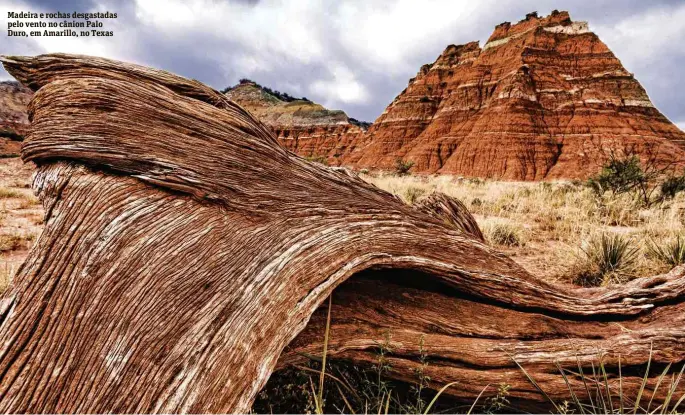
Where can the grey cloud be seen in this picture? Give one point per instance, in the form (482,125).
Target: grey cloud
(203,55)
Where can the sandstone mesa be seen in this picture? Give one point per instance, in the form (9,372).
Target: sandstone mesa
(544,98)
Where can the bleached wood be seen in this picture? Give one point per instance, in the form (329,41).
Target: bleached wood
(184,249)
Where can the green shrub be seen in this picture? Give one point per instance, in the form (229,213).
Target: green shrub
(402,167)
(671,253)
(314,158)
(630,175)
(672,186)
(619,176)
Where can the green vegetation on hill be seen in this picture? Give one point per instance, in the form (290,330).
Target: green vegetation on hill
(314,109)
(283,96)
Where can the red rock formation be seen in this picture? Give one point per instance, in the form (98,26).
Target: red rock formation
(302,126)
(13,117)
(544,98)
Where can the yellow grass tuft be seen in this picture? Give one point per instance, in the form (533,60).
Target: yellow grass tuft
(553,221)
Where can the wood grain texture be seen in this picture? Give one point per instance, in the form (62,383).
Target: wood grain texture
(184,250)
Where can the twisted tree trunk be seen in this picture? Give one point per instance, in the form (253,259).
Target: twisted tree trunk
(184,250)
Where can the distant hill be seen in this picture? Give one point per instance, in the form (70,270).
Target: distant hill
(14,119)
(543,98)
(301,125)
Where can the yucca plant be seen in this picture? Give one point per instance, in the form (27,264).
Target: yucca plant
(671,253)
(610,259)
(600,397)
(614,253)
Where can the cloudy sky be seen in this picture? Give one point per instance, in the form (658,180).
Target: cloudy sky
(353,55)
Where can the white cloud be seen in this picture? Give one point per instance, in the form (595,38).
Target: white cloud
(269,30)
(641,39)
(344,87)
(353,54)
(389,36)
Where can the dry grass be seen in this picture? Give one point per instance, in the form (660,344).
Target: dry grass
(9,193)
(10,242)
(21,217)
(547,227)
(6,273)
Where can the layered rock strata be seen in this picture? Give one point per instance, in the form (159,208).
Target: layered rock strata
(14,119)
(543,98)
(301,126)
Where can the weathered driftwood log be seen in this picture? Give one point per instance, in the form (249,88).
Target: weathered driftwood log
(184,250)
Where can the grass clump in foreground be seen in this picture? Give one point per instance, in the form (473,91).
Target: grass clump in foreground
(10,242)
(6,193)
(602,394)
(553,221)
(321,386)
(609,259)
(504,234)
(670,252)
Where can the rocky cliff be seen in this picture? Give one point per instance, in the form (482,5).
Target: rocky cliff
(13,117)
(543,98)
(301,125)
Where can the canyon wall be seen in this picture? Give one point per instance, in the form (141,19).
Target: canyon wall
(543,98)
(14,119)
(301,126)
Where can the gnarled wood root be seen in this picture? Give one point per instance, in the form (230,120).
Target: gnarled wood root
(184,250)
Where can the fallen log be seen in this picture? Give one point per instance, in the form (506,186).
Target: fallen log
(185,252)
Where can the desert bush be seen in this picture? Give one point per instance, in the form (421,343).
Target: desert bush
(608,259)
(504,234)
(627,174)
(6,193)
(412,194)
(619,175)
(10,242)
(671,253)
(672,186)
(314,158)
(402,167)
